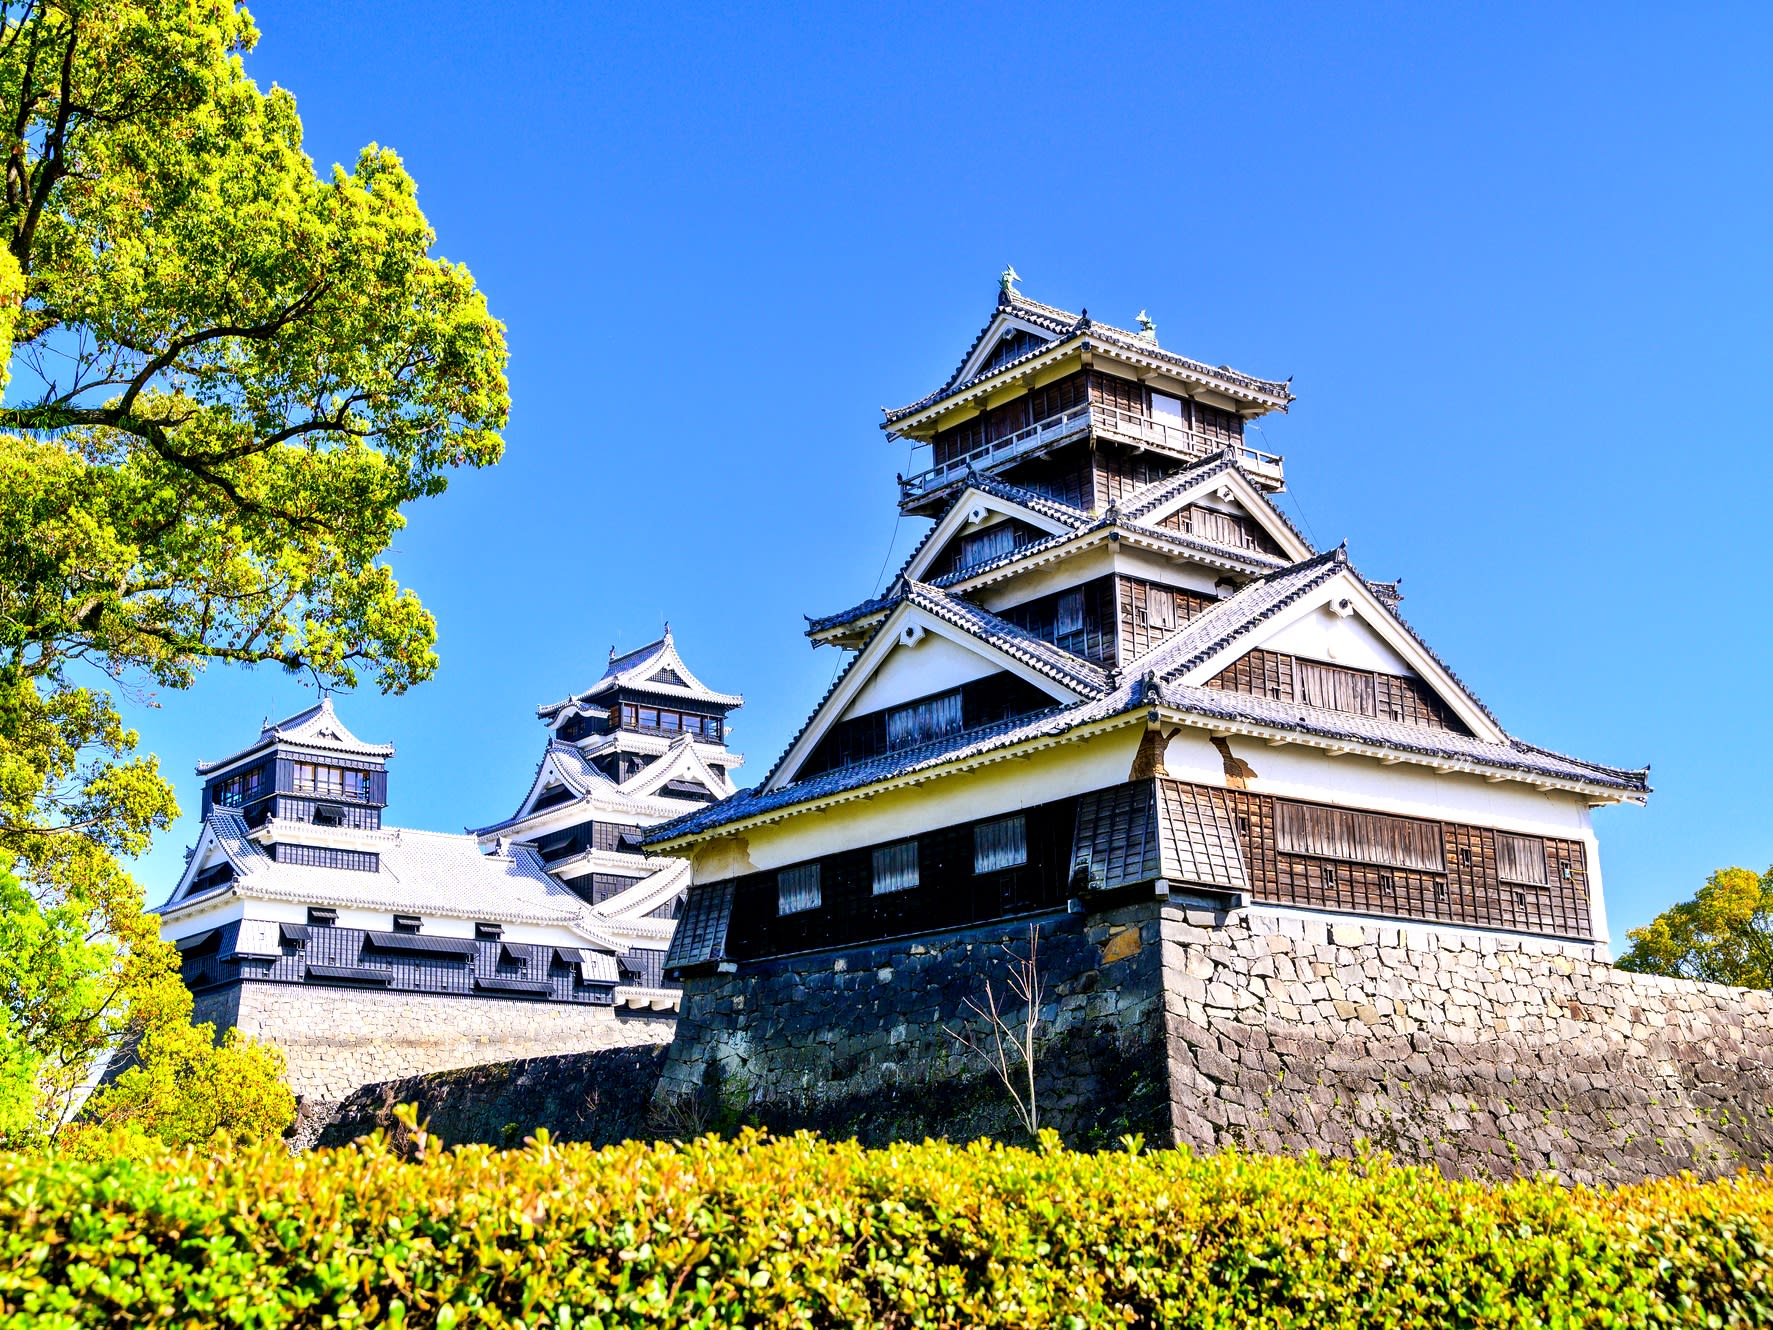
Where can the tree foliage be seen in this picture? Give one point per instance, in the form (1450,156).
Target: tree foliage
(1724,935)
(228,376)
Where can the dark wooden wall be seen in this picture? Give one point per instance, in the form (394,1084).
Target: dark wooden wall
(1233,529)
(1149,613)
(1361,692)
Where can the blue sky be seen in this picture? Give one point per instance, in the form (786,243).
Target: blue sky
(1517,259)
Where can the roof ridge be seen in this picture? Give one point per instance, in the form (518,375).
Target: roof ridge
(1049,656)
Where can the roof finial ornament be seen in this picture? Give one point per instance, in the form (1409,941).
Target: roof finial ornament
(1006,285)
(612,653)
(1147,329)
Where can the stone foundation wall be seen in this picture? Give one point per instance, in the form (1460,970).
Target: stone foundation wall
(337,1039)
(851,1042)
(1487,1056)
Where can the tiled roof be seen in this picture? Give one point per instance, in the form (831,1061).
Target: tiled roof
(582,777)
(1152,680)
(636,670)
(1067,327)
(420,872)
(1253,561)
(1129,834)
(1074,672)
(1149,498)
(317,727)
(701,934)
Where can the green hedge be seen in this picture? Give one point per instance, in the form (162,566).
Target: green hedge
(806,1232)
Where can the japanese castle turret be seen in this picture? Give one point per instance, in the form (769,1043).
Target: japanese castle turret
(1113,671)
(367,952)
(644,744)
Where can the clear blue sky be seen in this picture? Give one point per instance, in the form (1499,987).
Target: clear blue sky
(1517,261)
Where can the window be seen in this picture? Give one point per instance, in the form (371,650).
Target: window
(1160,609)
(407,923)
(797,889)
(242,789)
(649,718)
(1336,833)
(895,867)
(992,543)
(334,782)
(630,715)
(670,720)
(328,815)
(489,932)
(320,916)
(1334,688)
(1000,844)
(922,721)
(1070,616)
(1520,859)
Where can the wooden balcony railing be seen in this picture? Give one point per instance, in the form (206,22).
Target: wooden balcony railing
(1107,422)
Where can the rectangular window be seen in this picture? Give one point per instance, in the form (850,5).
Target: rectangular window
(919,722)
(1160,609)
(895,867)
(320,916)
(992,543)
(489,932)
(1334,688)
(407,923)
(1000,844)
(649,718)
(797,889)
(630,715)
(669,720)
(1070,617)
(1521,859)
(1369,838)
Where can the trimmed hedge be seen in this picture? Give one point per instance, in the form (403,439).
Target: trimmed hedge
(804,1232)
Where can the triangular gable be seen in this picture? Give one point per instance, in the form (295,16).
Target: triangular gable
(975,510)
(905,629)
(1005,325)
(681,761)
(1226,486)
(1348,625)
(646,895)
(221,840)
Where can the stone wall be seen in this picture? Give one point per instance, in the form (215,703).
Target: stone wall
(599,1098)
(337,1039)
(1486,1055)
(851,1042)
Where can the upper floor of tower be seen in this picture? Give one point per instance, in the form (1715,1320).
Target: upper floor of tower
(306,768)
(1076,409)
(645,692)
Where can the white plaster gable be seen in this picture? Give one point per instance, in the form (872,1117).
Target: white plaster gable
(974,511)
(1341,640)
(935,664)
(908,623)
(1371,633)
(682,761)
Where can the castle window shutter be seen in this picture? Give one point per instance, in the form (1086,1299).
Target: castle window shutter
(1521,859)
(1070,617)
(1372,838)
(1000,844)
(798,889)
(895,867)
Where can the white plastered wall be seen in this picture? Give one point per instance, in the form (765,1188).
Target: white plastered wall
(1348,641)
(933,665)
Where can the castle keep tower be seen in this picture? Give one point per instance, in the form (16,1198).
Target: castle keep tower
(1112,685)
(644,744)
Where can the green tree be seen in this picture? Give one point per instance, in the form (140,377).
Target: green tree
(1724,935)
(228,376)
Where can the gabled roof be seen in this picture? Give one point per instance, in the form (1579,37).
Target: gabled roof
(428,873)
(1066,330)
(654,668)
(993,637)
(568,765)
(1160,679)
(317,727)
(1156,500)
(683,759)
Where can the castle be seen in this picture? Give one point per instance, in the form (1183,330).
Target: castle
(1292,884)
(366,951)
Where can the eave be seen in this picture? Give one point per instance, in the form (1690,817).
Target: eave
(1277,736)
(1241,397)
(676,845)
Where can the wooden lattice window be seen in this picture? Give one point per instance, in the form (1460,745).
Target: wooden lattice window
(1000,844)
(1369,838)
(1521,859)
(797,889)
(895,867)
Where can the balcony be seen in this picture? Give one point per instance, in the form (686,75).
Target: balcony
(1105,422)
